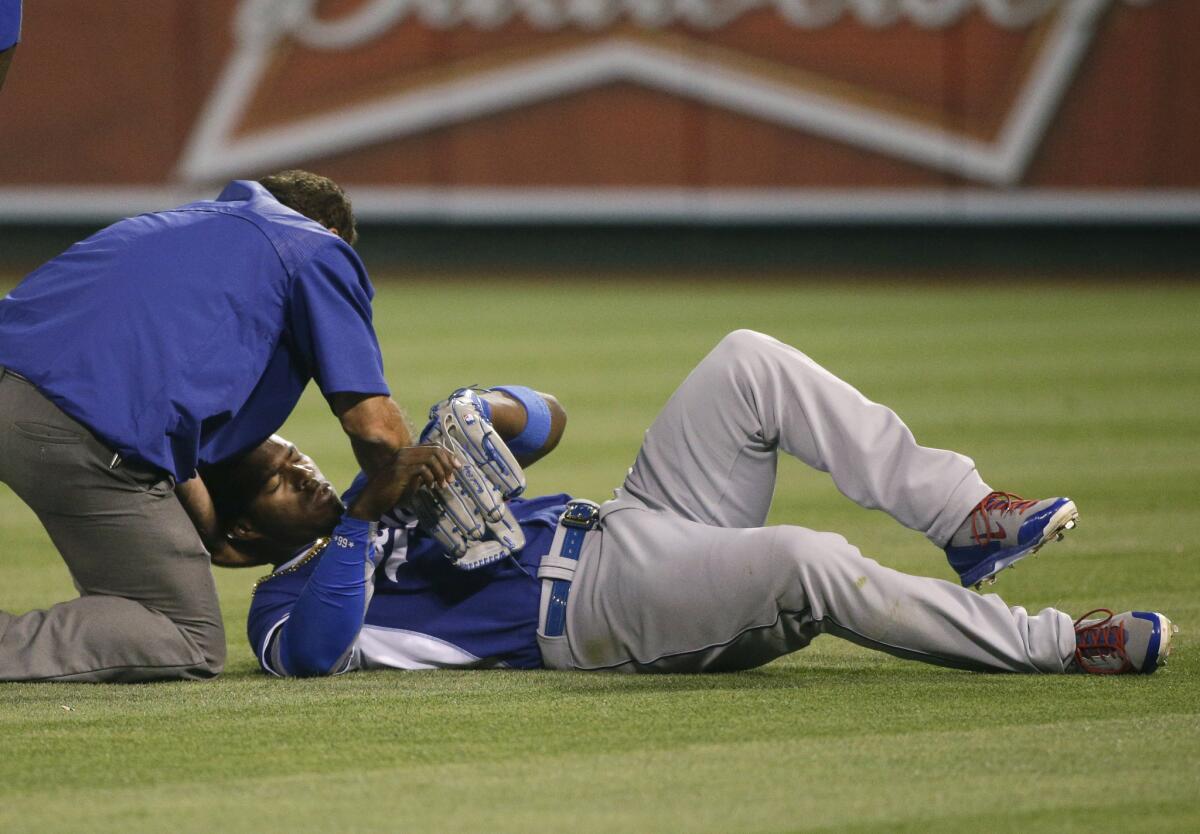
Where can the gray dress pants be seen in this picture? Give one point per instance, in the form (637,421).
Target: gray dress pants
(681,576)
(148,606)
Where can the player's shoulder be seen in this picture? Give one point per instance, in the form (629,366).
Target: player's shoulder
(289,577)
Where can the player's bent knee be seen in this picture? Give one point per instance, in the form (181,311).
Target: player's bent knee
(741,341)
(731,355)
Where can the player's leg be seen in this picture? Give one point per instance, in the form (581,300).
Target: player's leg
(710,455)
(149,608)
(661,594)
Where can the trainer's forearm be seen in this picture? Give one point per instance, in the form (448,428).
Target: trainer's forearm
(376,427)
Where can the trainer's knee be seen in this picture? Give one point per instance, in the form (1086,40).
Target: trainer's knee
(208,639)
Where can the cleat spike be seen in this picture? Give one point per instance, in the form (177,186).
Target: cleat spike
(1059,537)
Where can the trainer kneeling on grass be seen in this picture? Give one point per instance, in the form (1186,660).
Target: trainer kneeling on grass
(164,342)
(678,573)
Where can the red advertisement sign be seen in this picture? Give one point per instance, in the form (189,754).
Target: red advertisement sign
(721,110)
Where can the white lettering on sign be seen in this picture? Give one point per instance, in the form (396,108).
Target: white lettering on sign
(260,20)
(217,149)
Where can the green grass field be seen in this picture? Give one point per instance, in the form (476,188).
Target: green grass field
(1087,390)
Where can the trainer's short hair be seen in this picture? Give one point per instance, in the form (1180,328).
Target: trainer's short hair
(317,198)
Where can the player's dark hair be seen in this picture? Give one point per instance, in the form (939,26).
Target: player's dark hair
(317,198)
(231,496)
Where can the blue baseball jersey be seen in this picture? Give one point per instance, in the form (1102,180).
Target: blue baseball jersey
(186,336)
(10,23)
(424,613)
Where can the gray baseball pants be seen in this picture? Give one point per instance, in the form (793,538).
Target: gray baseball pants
(681,576)
(148,606)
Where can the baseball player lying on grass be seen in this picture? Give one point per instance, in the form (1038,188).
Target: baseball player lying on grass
(678,573)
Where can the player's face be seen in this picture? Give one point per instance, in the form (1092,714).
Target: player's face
(294,503)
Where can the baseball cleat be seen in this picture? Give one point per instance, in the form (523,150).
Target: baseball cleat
(1130,643)
(1003,529)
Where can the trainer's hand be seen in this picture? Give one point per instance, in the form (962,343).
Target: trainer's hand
(409,468)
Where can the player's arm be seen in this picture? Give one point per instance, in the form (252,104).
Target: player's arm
(530,422)
(318,637)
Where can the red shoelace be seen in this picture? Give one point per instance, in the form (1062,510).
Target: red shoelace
(1100,638)
(1003,502)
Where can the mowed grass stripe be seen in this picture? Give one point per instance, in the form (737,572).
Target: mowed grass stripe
(812,783)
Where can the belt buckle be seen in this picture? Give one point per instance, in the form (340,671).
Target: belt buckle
(581,515)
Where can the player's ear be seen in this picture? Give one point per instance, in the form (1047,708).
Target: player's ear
(334,230)
(243,531)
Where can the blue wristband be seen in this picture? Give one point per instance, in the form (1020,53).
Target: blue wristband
(537,420)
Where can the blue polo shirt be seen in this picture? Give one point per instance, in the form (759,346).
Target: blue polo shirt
(186,336)
(10,23)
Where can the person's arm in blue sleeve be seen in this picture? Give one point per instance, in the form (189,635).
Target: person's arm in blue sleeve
(318,636)
(331,322)
(330,326)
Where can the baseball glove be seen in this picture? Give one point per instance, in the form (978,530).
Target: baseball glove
(469,516)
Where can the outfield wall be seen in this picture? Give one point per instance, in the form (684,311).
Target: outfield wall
(962,254)
(616,112)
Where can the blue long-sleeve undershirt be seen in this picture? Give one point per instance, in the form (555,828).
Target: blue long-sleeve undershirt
(328,615)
